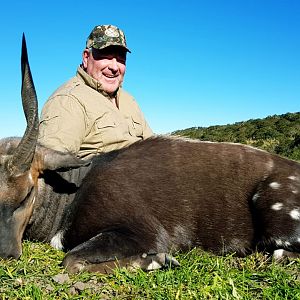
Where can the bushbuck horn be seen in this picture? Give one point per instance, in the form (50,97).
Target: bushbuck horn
(23,154)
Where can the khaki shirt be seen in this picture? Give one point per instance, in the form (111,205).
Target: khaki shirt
(78,118)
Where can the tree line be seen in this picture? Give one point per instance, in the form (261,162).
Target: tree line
(278,134)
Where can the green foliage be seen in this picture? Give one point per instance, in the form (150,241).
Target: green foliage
(278,134)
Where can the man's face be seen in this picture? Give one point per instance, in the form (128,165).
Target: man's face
(107,66)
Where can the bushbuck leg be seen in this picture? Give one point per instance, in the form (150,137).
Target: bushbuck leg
(109,250)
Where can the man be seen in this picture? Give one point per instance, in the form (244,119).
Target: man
(91,113)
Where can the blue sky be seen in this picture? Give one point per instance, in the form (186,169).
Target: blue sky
(193,63)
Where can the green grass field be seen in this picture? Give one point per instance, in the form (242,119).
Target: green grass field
(38,275)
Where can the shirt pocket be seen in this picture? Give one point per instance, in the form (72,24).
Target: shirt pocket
(107,130)
(135,127)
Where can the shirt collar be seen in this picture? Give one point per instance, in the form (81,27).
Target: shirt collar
(93,83)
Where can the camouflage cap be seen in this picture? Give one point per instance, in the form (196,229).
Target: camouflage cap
(103,36)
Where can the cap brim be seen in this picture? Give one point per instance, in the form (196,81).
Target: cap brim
(109,44)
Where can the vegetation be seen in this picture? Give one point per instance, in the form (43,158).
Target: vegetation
(276,134)
(39,275)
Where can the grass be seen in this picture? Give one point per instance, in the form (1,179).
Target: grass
(38,275)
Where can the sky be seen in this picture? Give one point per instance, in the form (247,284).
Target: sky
(193,63)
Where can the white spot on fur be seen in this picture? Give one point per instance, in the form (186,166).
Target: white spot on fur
(292,177)
(278,254)
(298,240)
(295,192)
(154,265)
(281,243)
(277,206)
(295,214)
(56,241)
(255,197)
(30,178)
(275,185)
(270,165)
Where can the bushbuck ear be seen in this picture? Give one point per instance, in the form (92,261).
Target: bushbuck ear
(59,161)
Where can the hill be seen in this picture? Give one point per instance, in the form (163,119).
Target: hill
(278,134)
